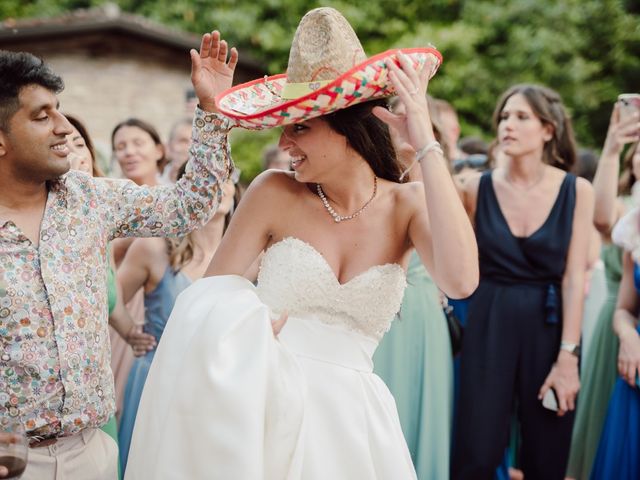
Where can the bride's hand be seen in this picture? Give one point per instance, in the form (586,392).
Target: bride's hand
(278,324)
(211,74)
(412,124)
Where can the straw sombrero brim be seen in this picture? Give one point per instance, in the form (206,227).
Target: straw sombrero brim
(258,104)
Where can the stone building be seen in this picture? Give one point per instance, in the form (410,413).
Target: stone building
(115,65)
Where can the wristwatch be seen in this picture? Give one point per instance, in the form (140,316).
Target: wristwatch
(572,348)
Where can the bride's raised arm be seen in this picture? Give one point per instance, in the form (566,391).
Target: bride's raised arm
(442,233)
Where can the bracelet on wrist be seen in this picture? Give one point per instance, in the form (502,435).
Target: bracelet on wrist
(420,154)
(570,347)
(429,147)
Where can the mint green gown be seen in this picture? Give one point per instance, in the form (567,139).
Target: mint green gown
(111,427)
(598,375)
(414,360)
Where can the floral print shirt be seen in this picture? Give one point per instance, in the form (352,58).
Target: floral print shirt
(55,372)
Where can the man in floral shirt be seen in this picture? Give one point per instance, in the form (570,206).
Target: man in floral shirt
(55,224)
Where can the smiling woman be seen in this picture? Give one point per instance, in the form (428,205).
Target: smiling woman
(82,154)
(335,237)
(137,146)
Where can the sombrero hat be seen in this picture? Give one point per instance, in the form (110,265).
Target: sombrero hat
(328,70)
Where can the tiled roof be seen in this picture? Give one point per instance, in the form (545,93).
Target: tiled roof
(107,17)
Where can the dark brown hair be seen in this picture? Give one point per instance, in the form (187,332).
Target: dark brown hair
(82,130)
(369,136)
(147,127)
(18,70)
(547,105)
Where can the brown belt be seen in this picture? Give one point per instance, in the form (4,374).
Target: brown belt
(36,442)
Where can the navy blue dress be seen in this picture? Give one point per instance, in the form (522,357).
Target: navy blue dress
(619,449)
(511,341)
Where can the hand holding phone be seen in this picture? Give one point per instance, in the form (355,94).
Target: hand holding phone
(550,400)
(629,103)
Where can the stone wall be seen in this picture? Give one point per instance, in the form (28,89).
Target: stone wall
(109,78)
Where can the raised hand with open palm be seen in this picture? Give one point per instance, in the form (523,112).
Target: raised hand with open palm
(211,71)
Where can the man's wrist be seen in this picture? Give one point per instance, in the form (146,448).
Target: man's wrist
(207,123)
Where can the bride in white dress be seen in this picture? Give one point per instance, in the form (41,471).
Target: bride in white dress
(225,397)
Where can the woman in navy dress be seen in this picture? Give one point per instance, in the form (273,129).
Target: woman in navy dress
(618,452)
(532,223)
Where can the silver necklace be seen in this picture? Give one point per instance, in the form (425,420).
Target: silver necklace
(341,218)
(528,187)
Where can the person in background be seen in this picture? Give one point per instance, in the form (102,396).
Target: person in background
(177,149)
(414,358)
(595,285)
(55,226)
(190,102)
(450,127)
(163,268)
(613,187)
(137,147)
(523,327)
(475,159)
(473,145)
(139,151)
(82,158)
(617,453)
(273,157)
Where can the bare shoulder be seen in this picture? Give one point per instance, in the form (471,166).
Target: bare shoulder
(407,195)
(583,186)
(274,184)
(147,248)
(584,189)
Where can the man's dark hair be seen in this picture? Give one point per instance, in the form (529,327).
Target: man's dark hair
(18,70)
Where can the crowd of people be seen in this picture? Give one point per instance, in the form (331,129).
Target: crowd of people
(386,300)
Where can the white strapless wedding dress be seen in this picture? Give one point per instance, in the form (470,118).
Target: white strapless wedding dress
(226,400)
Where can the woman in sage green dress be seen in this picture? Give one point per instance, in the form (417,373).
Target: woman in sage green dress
(599,369)
(414,358)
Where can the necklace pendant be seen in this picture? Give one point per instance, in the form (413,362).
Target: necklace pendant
(337,219)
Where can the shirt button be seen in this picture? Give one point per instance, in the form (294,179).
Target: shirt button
(54,448)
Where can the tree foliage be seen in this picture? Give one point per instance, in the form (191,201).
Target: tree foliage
(588,50)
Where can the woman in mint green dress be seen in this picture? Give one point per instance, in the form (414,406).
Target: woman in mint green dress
(599,369)
(414,358)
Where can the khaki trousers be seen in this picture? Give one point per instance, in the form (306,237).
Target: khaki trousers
(88,455)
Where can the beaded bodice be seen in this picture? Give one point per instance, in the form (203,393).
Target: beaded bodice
(295,277)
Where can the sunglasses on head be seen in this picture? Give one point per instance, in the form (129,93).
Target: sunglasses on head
(476,161)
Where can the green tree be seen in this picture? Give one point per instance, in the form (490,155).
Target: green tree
(588,50)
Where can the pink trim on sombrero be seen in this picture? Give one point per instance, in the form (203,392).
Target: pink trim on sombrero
(285,105)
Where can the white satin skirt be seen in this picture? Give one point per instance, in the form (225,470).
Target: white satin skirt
(226,400)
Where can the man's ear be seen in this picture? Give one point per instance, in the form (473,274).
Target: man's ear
(3,143)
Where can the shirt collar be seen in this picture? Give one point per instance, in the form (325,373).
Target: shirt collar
(58,187)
